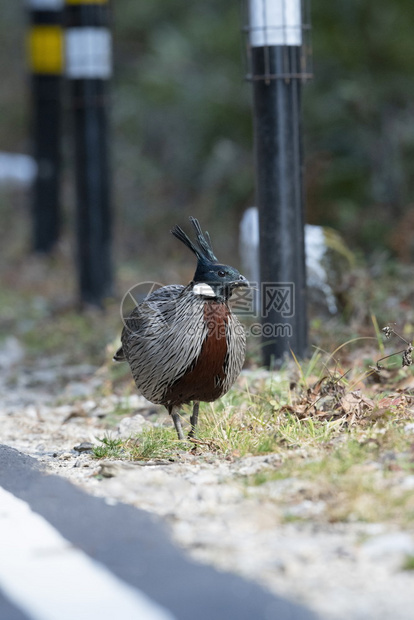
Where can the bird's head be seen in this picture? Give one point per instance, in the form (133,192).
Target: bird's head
(211,279)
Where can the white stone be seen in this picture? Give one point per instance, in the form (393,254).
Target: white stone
(315,248)
(132,426)
(11,352)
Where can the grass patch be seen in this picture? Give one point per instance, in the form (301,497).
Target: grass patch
(152,443)
(341,437)
(109,448)
(357,480)
(296,408)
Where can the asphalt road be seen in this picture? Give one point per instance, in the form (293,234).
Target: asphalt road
(65,554)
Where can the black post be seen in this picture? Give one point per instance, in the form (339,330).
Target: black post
(46,65)
(276,75)
(88,68)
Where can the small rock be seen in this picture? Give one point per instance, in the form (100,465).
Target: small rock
(110,501)
(11,352)
(63,410)
(66,456)
(407,483)
(250,465)
(108,470)
(85,446)
(371,529)
(305,509)
(31,412)
(135,401)
(88,405)
(77,389)
(132,426)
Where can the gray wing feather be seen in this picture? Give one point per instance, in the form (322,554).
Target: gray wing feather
(162,337)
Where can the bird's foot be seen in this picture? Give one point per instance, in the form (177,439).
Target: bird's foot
(177,423)
(194,418)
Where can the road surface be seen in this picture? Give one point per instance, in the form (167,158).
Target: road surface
(65,555)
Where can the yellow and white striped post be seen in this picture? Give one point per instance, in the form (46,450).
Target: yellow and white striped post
(88,69)
(46,63)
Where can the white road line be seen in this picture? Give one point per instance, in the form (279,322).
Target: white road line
(49,579)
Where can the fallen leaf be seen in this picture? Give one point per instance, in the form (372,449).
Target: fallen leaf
(355,403)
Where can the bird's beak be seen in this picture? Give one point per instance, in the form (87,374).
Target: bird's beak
(242,281)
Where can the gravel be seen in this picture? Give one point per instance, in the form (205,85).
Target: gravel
(341,570)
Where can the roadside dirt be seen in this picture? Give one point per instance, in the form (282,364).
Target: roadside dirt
(343,570)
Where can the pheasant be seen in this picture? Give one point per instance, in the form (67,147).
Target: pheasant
(183,343)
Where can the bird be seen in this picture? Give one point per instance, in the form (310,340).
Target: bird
(183,343)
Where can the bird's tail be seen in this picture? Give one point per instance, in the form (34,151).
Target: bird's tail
(119,356)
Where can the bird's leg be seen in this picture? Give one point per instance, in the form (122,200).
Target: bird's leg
(177,422)
(194,418)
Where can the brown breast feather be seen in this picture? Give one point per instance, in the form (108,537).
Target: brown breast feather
(204,379)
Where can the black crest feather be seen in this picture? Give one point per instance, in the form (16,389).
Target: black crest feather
(204,251)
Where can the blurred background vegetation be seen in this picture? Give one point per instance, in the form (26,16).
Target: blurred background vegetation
(182,129)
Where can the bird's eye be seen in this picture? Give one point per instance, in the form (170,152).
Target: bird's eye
(221,273)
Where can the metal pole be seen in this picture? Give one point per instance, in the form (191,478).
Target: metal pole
(46,66)
(88,68)
(275,39)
